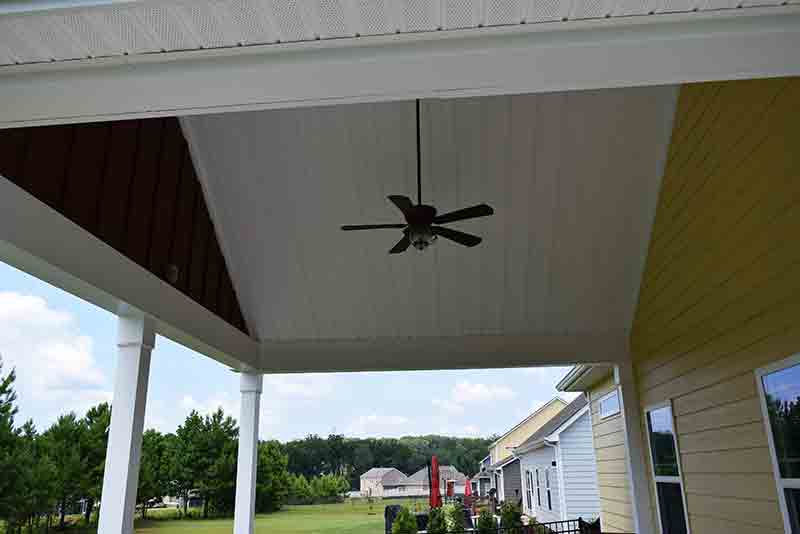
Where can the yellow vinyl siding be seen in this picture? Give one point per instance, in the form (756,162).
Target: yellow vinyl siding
(720,296)
(502,448)
(612,479)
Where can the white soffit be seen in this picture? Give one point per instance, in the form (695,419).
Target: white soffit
(33,32)
(573,178)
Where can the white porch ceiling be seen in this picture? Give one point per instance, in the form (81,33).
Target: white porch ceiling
(32,32)
(573,178)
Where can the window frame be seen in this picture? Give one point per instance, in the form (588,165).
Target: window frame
(547,488)
(780,482)
(538,491)
(666,479)
(529,489)
(612,393)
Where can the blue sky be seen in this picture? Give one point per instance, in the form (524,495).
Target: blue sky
(64,351)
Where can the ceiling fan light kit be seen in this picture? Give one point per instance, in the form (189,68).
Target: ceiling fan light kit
(423,225)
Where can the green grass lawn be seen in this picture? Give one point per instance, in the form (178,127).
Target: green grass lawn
(351,517)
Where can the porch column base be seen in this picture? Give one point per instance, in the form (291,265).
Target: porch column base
(136,339)
(245,507)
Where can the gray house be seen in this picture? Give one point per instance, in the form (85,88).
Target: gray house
(558,468)
(381,482)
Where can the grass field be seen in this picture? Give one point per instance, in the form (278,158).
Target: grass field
(351,517)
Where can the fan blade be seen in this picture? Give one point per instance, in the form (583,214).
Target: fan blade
(401,245)
(404,204)
(371,226)
(468,240)
(481,210)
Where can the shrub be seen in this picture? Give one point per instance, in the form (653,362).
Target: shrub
(453,516)
(436,522)
(511,518)
(405,522)
(486,523)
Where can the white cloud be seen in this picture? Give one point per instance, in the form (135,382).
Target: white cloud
(308,386)
(54,362)
(466,393)
(378,425)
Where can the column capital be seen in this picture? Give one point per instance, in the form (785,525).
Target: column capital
(250,382)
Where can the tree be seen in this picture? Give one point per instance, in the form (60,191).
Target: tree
(153,472)
(299,490)
(94,444)
(63,439)
(436,523)
(9,438)
(216,467)
(272,481)
(185,467)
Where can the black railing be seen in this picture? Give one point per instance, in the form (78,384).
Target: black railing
(570,526)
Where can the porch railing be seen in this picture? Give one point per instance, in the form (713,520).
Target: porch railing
(570,526)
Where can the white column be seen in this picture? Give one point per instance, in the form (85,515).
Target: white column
(136,338)
(634,449)
(244,513)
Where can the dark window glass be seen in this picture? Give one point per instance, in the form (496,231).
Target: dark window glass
(793,504)
(547,485)
(529,481)
(662,442)
(538,491)
(782,392)
(670,506)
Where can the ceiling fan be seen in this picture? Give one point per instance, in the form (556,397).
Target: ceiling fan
(422,225)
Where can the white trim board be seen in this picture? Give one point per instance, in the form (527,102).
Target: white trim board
(607,53)
(45,244)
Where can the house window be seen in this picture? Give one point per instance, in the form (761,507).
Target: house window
(609,405)
(780,404)
(547,487)
(666,470)
(529,489)
(538,491)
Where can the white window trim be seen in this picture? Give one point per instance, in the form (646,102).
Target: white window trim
(547,489)
(538,502)
(656,479)
(606,396)
(780,483)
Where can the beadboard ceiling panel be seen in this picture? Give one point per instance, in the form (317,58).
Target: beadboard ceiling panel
(573,178)
(107,29)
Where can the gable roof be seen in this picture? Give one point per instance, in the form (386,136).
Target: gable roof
(531,416)
(553,425)
(447,472)
(380,472)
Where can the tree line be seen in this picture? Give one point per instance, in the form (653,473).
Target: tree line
(46,475)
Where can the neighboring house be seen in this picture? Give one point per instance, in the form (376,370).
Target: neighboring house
(559,471)
(483,477)
(500,449)
(608,434)
(381,482)
(503,471)
(417,483)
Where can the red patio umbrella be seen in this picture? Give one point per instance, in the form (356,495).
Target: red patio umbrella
(435,496)
(468,489)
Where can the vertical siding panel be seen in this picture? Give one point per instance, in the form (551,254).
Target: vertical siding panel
(199,262)
(47,161)
(85,174)
(120,168)
(166,194)
(720,294)
(140,210)
(181,249)
(13,148)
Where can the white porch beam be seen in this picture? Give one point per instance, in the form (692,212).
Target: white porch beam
(42,242)
(457,352)
(592,54)
(247,465)
(136,339)
(635,449)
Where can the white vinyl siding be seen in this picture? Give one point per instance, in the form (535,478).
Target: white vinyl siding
(542,459)
(579,470)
